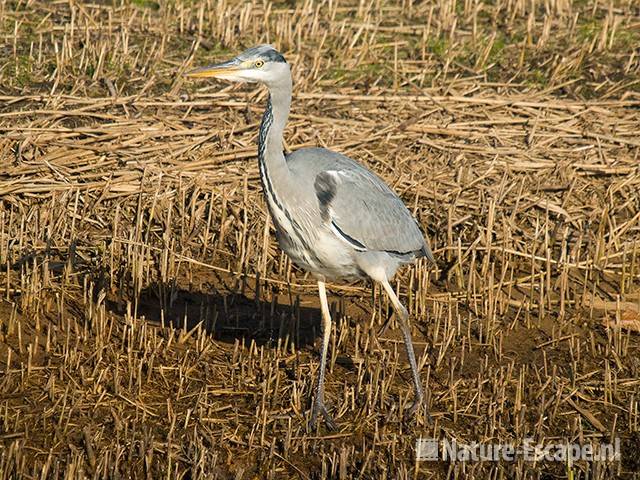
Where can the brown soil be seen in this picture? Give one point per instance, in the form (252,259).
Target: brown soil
(151,328)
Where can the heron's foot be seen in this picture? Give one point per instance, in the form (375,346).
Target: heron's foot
(410,412)
(319,407)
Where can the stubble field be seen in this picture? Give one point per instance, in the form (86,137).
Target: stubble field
(151,328)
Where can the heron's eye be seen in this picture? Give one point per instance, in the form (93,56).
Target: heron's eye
(258,64)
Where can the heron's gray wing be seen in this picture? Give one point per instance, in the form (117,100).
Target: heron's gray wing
(366,212)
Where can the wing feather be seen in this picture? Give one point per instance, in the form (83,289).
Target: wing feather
(365,211)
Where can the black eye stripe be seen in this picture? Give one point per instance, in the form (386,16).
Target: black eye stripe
(266,53)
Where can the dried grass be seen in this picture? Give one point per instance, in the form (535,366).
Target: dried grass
(151,328)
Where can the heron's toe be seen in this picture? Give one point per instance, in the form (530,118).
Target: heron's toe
(411,412)
(328,419)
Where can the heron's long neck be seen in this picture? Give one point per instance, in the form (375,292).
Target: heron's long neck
(273,166)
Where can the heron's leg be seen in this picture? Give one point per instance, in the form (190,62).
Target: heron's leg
(318,401)
(403,315)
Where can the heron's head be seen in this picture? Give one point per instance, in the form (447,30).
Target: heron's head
(257,64)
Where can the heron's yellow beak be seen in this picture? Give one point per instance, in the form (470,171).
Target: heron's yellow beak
(218,70)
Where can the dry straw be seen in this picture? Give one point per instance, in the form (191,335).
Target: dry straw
(151,328)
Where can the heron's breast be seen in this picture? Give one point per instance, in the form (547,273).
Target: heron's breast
(294,232)
(311,244)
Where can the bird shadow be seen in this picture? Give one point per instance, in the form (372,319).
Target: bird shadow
(228,308)
(226,316)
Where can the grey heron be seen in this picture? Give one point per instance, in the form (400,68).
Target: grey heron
(333,217)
